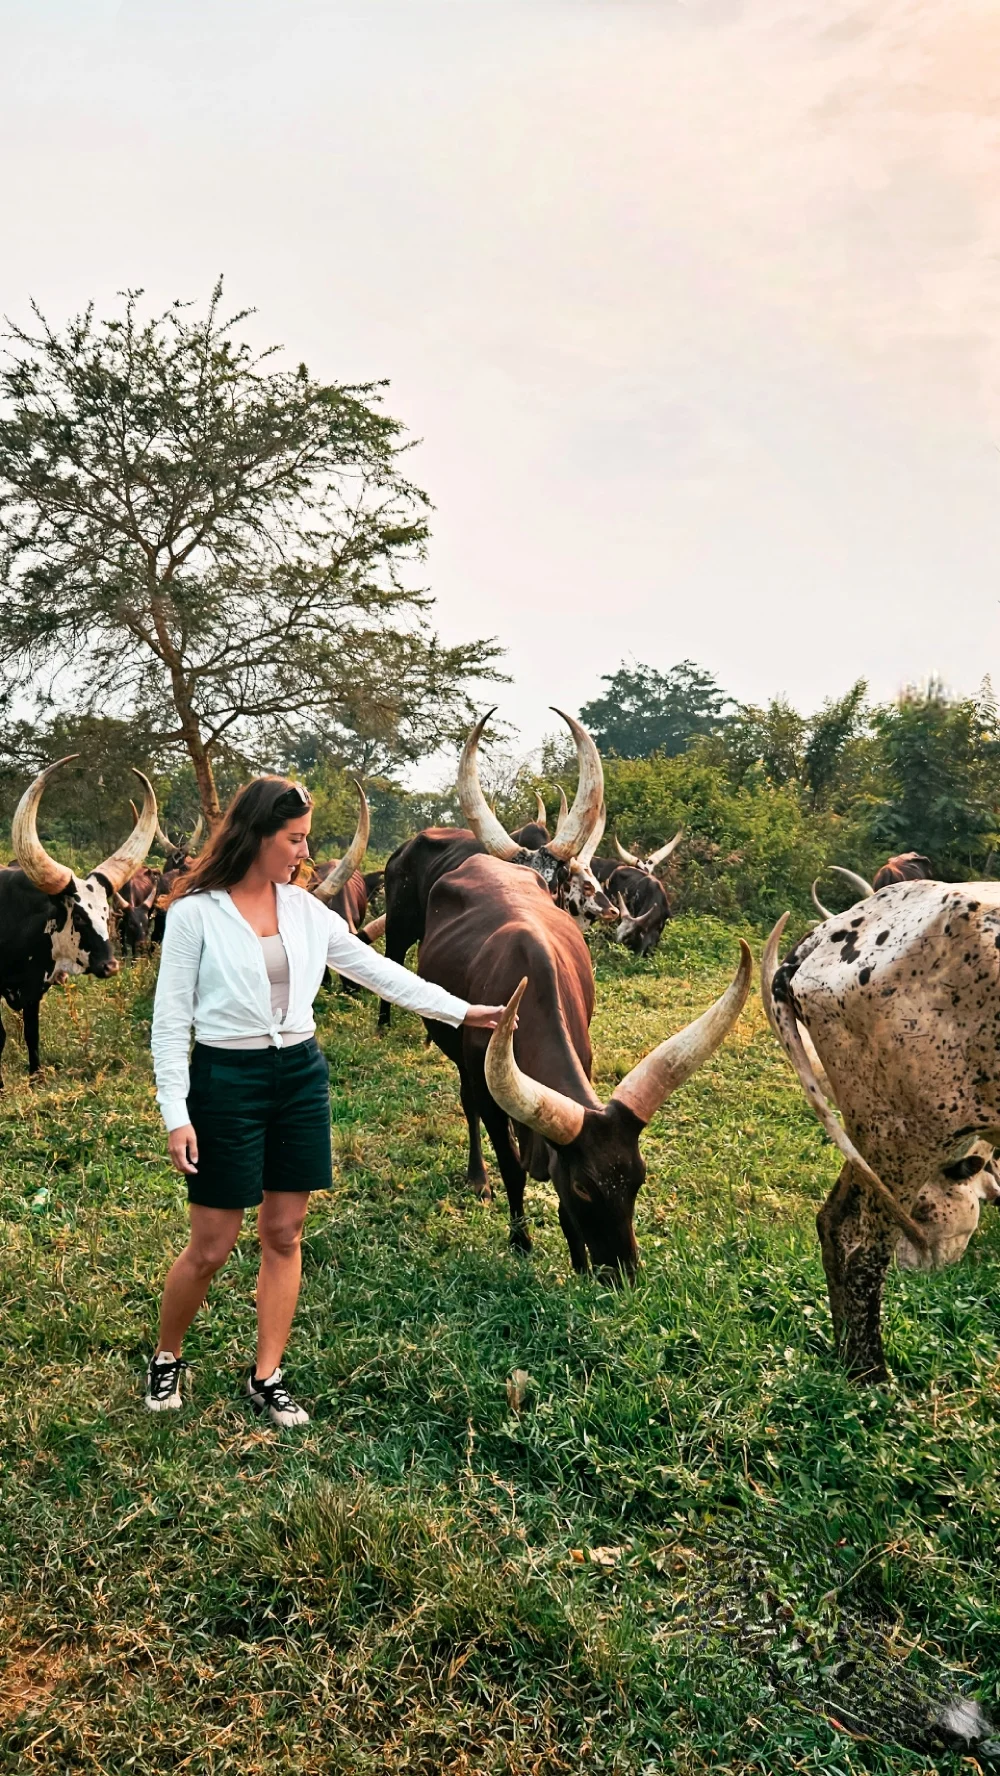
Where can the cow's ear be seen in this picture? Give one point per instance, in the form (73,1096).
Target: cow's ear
(964,1168)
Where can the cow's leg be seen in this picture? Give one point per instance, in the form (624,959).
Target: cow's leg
(31,1033)
(397,944)
(511,1170)
(476,1173)
(577,1248)
(856,1252)
(3,1044)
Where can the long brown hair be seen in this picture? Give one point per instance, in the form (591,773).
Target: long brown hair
(256,812)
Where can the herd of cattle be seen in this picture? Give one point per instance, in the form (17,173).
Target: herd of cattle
(889,1014)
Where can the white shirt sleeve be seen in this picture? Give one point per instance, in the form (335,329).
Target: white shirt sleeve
(173,1010)
(361,963)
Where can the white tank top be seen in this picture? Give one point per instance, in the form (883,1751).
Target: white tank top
(276,963)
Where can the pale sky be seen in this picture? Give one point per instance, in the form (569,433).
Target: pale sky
(695,304)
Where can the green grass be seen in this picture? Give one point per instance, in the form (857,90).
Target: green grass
(693,1548)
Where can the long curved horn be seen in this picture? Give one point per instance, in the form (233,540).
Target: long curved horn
(537,1106)
(195,839)
(818,904)
(374,929)
(855,880)
(585,857)
(123,863)
(41,869)
(353,856)
(651,1082)
(563,809)
(782,1019)
(622,908)
(541,813)
(665,851)
(626,856)
(482,820)
(589,798)
(166,845)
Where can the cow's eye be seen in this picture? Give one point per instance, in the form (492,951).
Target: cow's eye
(579,1191)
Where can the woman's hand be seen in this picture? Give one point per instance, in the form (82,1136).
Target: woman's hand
(182,1146)
(485,1017)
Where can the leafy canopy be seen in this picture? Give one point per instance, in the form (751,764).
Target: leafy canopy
(644,711)
(191,533)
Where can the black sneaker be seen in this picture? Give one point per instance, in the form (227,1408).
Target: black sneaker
(271,1397)
(163,1382)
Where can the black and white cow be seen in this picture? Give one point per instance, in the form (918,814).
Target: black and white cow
(54,923)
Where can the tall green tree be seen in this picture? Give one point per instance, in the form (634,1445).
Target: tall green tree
(831,731)
(941,764)
(190,533)
(644,711)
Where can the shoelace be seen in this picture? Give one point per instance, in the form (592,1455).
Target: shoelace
(276,1394)
(163,1377)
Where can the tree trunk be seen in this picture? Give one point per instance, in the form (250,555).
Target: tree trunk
(204,775)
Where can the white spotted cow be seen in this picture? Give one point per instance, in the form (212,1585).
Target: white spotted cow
(892,1010)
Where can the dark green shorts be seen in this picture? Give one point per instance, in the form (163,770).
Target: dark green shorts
(262,1118)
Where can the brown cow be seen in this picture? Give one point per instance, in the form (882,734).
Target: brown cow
(494,934)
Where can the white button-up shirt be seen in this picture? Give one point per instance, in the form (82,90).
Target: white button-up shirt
(213,978)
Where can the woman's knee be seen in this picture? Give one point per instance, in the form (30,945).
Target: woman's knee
(206,1256)
(280,1239)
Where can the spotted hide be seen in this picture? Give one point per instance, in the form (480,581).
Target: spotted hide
(900,1001)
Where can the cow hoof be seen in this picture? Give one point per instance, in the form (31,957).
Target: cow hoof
(520,1241)
(480,1189)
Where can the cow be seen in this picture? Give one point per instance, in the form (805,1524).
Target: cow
(643,906)
(178,859)
(890,1012)
(415,866)
(535,833)
(564,861)
(653,859)
(910,866)
(493,934)
(54,923)
(135,922)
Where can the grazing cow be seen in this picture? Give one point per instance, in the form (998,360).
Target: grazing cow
(494,935)
(643,905)
(415,867)
(54,923)
(892,1011)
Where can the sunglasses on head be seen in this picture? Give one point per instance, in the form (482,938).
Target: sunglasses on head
(294,800)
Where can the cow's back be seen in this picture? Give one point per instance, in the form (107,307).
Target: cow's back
(901,997)
(490,923)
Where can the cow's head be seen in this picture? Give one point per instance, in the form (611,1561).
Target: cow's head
(80,926)
(653,859)
(946,1207)
(641,932)
(564,862)
(591,1150)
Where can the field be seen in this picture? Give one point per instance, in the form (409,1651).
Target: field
(684,1544)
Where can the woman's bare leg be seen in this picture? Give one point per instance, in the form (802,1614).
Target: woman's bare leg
(214,1233)
(280,1220)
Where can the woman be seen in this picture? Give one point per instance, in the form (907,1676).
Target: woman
(248,1122)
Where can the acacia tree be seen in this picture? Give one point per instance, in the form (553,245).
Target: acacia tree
(190,533)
